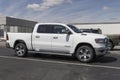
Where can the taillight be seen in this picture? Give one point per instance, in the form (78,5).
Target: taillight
(7,38)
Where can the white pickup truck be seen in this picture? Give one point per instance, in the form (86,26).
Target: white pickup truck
(60,39)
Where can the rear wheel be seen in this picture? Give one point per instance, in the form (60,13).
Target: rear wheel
(21,50)
(85,53)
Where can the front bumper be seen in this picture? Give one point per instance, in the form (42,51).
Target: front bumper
(101,51)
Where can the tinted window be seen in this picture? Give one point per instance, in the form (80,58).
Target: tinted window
(45,29)
(59,29)
(75,29)
(56,29)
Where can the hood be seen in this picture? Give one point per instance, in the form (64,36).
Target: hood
(93,35)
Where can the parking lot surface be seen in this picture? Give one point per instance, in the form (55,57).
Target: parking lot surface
(53,67)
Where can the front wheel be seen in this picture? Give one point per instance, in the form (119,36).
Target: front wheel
(20,50)
(85,54)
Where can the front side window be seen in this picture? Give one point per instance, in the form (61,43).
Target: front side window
(59,29)
(75,29)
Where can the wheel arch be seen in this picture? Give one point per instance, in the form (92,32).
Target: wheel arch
(19,41)
(81,44)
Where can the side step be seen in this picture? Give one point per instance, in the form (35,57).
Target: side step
(52,53)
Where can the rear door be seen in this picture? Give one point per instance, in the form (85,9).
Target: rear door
(42,38)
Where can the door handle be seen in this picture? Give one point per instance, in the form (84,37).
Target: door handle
(55,37)
(37,36)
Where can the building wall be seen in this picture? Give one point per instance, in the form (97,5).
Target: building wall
(19,22)
(13,29)
(9,24)
(2,20)
(2,31)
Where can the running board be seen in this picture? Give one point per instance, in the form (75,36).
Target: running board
(53,53)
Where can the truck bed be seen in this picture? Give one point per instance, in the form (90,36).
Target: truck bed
(26,37)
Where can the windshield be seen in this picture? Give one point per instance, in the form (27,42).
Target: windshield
(75,29)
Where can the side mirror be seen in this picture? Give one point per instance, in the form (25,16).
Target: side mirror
(68,32)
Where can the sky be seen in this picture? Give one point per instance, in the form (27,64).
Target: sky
(66,11)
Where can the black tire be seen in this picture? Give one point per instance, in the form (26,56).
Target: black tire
(20,50)
(110,45)
(85,54)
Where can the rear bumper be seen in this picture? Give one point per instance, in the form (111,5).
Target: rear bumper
(101,51)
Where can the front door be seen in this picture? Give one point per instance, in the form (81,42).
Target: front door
(61,41)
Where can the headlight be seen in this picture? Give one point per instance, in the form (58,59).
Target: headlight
(99,40)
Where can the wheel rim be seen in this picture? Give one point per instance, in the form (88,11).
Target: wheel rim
(84,54)
(20,50)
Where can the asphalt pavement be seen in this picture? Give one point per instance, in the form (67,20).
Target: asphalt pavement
(2,43)
(53,67)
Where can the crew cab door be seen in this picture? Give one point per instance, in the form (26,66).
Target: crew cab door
(41,39)
(61,41)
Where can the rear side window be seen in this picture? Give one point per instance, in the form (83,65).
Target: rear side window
(44,29)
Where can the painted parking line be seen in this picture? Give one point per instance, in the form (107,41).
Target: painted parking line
(60,62)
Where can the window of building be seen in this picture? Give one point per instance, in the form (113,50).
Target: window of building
(8,28)
(25,29)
